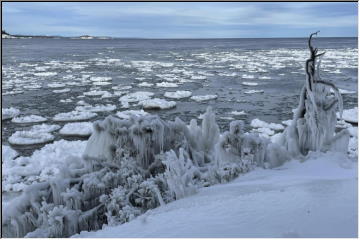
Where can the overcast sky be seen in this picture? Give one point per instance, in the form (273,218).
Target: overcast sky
(181,19)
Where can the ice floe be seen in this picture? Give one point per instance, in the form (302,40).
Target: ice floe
(178,94)
(157,103)
(200,98)
(56,85)
(256,123)
(74,116)
(45,128)
(350,115)
(9,113)
(30,138)
(61,90)
(100,79)
(7,153)
(145,84)
(136,97)
(128,113)
(82,129)
(236,113)
(96,108)
(29,119)
(166,84)
(45,74)
(249,83)
(254,91)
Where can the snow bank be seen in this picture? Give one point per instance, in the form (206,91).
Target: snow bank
(74,116)
(30,137)
(316,198)
(201,98)
(82,129)
(157,103)
(9,113)
(29,119)
(178,94)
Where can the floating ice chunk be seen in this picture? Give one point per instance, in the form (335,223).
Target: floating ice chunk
(30,138)
(249,83)
(95,93)
(256,123)
(136,97)
(264,77)
(33,86)
(8,154)
(248,76)
(56,85)
(12,92)
(287,122)
(264,131)
(82,129)
(69,100)
(9,113)
(225,118)
(107,95)
(74,116)
(62,90)
(166,84)
(45,74)
(128,113)
(254,91)
(121,87)
(178,94)
(198,77)
(101,83)
(100,79)
(201,98)
(350,115)
(29,119)
(45,128)
(353,131)
(343,91)
(96,108)
(145,84)
(157,103)
(238,113)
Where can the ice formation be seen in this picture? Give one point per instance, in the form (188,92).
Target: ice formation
(29,119)
(45,128)
(9,113)
(314,123)
(82,129)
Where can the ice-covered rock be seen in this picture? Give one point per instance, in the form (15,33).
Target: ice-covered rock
(29,119)
(82,129)
(178,94)
(201,98)
(157,103)
(74,116)
(9,113)
(30,137)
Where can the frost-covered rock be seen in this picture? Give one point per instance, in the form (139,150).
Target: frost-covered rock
(82,129)
(29,119)
(178,94)
(157,103)
(9,113)
(201,98)
(74,116)
(30,137)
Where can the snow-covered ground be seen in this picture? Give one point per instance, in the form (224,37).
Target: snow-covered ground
(314,198)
